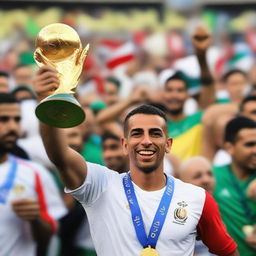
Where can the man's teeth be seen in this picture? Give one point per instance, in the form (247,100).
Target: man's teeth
(146,152)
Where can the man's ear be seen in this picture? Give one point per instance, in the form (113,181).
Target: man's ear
(168,145)
(124,146)
(229,147)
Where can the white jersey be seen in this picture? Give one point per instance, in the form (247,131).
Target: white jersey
(34,182)
(102,196)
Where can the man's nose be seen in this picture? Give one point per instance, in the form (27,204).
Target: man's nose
(13,125)
(146,140)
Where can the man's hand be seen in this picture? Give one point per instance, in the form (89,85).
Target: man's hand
(27,209)
(201,39)
(251,240)
(251,190)
(45,82)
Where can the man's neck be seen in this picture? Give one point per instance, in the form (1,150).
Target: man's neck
(155,180)
(241,173)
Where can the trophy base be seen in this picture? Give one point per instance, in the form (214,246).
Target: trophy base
(60,110)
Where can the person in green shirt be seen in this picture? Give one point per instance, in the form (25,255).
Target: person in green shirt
(187,130)
(237,209)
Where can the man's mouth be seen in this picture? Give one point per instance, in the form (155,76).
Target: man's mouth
(146,152)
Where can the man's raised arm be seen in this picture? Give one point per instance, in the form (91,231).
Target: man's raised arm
(71,166)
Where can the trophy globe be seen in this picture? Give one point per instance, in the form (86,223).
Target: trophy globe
(58,45)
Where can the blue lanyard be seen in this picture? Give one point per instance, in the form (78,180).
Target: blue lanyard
(5,188)
(160,215)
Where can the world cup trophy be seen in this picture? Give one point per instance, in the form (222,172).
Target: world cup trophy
(58,45)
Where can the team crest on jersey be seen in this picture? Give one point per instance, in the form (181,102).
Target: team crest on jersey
(180,213)
(19,189)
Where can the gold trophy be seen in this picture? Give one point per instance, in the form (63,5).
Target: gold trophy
(58,45)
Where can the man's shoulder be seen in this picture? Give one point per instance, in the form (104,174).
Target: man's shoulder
(221,170)
(188,189)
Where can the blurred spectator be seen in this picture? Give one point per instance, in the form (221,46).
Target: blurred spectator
(30,203)
(4,84)
(113,154)
(23,93)
(232,181)
(22,75)
(187,130)
(236,85)
(198,171)
(92,147)
(214,123)
(110,94)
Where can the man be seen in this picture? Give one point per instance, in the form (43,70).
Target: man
(232,181)
(22,75)
(29,201)
(109,197)
(198,171)
(112,154)
(235,83)
(187,130)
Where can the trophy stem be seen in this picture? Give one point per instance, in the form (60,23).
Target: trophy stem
(60,110)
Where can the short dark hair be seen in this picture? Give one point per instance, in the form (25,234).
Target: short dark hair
(235,125)
(144,109)
(109,135)
(176,76)
(245,100)
(3,73)
(229,73)
(7,98)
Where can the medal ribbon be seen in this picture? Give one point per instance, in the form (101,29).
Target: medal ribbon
(160,215)
(5,188)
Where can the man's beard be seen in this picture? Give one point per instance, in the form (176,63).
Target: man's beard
(148,169)
(175,112)
(5,146)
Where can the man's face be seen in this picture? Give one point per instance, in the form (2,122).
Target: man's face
(174,96)
(199,173)
(146,142)
(74,138)
(9,125)
(236,85)
(113,155)
(243,151)
(4,85)
(23,75)
(249,110)
(110,94)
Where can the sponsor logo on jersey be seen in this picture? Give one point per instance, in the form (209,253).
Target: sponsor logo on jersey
(180,213)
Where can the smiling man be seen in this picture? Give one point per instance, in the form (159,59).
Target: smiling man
(143,212)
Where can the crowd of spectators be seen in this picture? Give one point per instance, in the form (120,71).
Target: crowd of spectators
(204,80)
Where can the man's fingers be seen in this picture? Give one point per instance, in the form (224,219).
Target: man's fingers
(44,69)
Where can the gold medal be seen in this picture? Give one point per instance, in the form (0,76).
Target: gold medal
(148,251)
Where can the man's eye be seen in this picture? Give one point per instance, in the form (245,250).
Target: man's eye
(4,118)
(157,134)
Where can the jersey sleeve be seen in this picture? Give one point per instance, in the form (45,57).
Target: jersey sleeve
(212,230)
(96,182)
